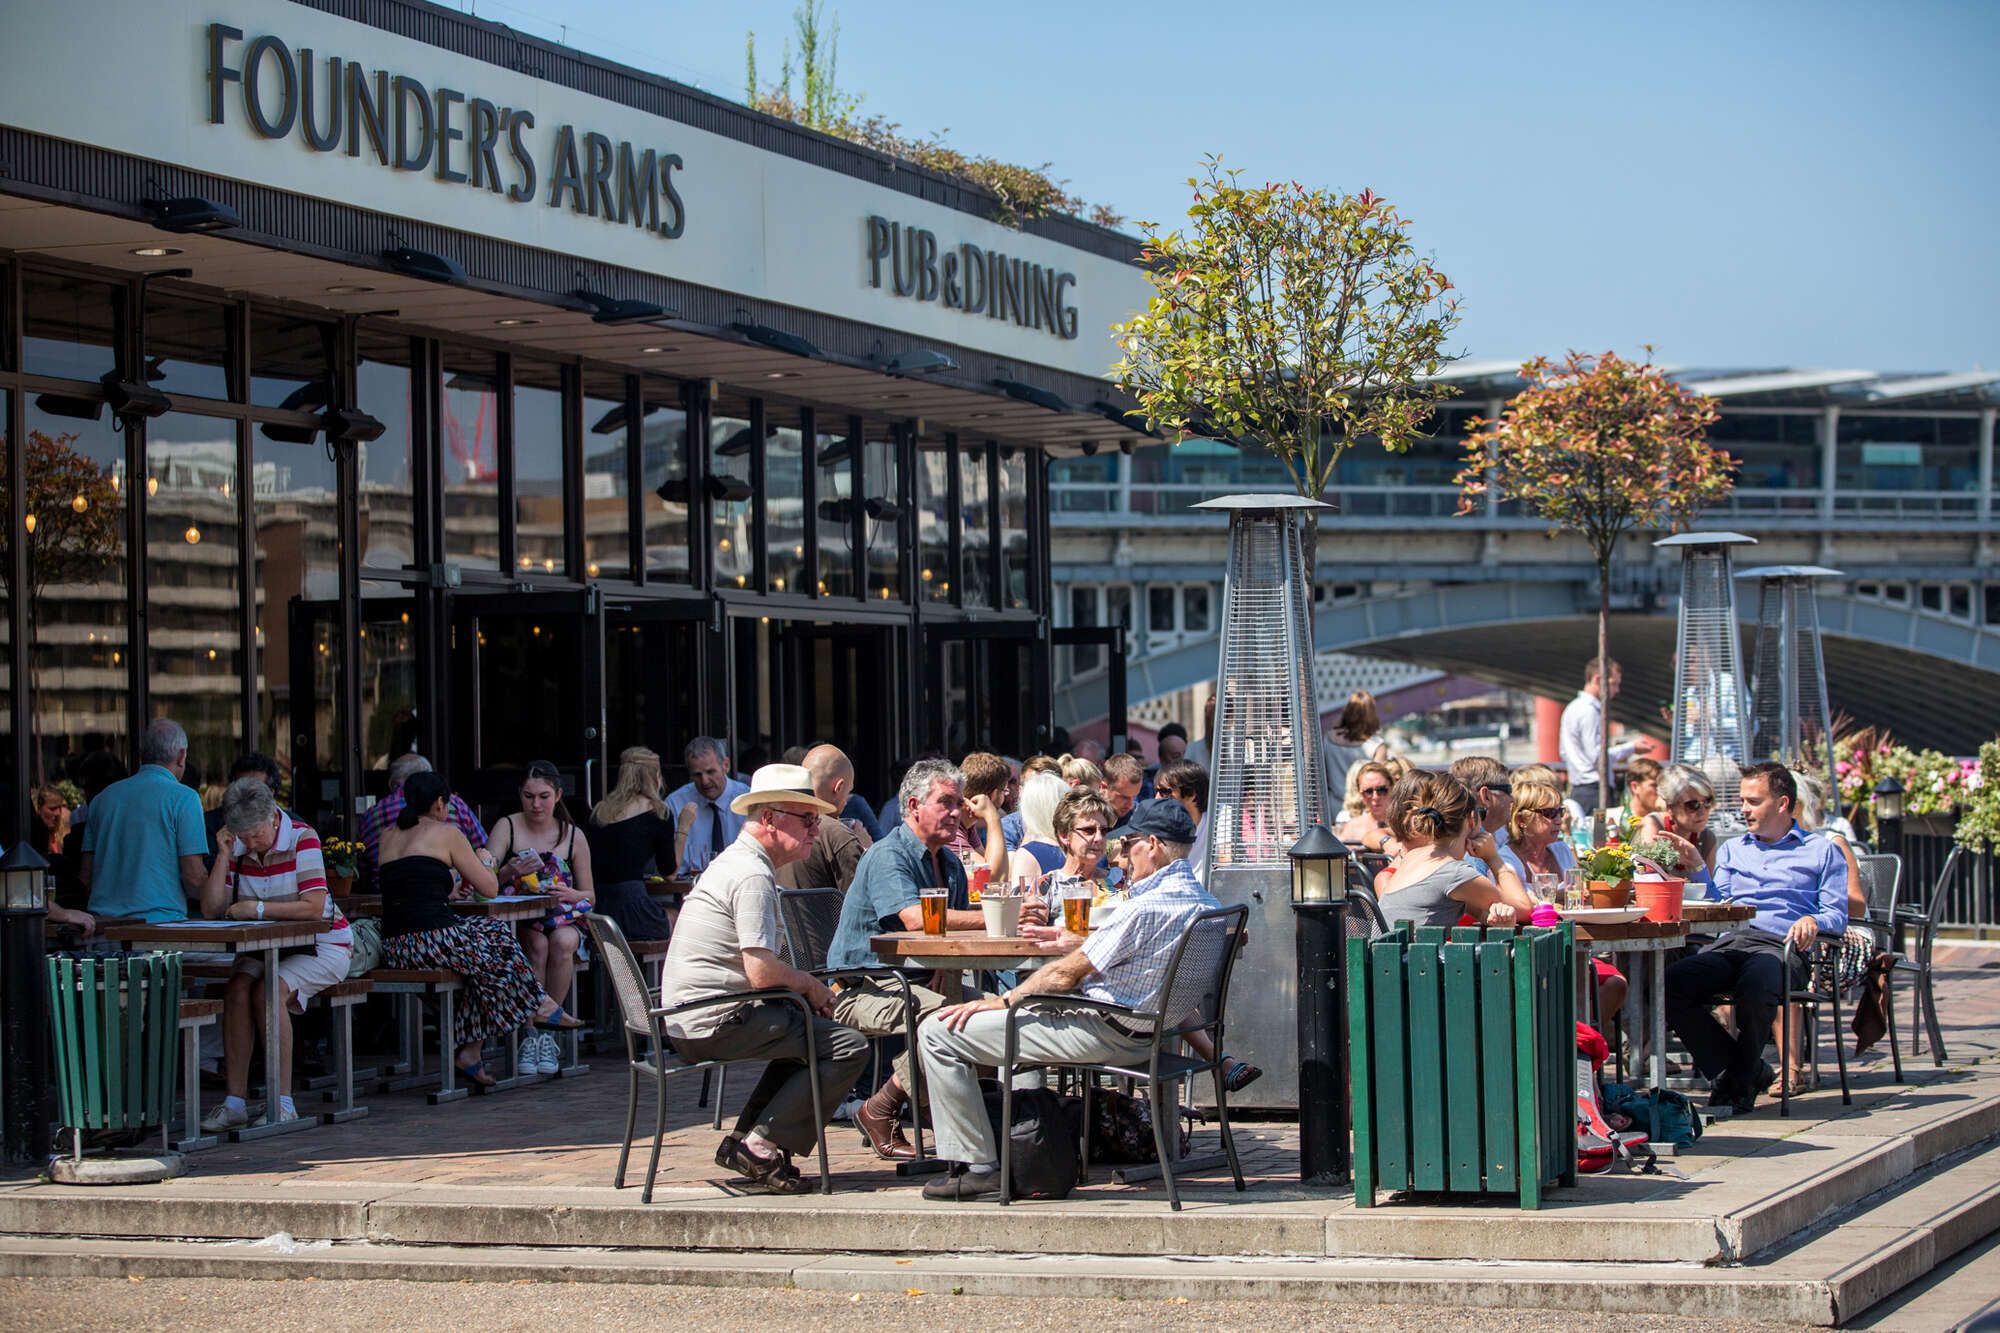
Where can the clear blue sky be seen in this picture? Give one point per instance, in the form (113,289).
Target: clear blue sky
(1738,184)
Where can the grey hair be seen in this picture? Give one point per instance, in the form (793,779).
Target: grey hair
(248,804)
(406,766)
(924,774)
(1040,795)
(164,739)
(1681,781)
(1811,802)
(702,745)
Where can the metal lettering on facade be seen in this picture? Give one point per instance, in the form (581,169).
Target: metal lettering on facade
(337,105)
(969,278)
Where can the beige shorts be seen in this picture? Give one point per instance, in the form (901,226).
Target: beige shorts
(304,974)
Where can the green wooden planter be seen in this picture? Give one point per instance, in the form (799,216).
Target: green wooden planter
(116,1023)
(1462,1046)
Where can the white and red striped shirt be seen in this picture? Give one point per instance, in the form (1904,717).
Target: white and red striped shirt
(293,866)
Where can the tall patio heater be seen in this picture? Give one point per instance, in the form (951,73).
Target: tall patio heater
(1711,719)
(1788,712)
(1264,787)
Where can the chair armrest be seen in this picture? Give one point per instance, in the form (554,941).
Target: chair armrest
(1030,1003)
(734,997)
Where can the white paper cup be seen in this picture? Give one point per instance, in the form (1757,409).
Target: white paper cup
(1003,914)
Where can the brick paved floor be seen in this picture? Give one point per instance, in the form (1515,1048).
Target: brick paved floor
(564,1132)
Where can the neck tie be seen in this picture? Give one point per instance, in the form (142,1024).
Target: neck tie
(709,822)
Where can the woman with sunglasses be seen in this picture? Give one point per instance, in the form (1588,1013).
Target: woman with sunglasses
(1369,784)
(1687,799)
(1535,830)
(542,844)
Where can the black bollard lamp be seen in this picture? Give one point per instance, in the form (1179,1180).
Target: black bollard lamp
(1319,914)
(25,1081)
(1319,867)
(1887,798)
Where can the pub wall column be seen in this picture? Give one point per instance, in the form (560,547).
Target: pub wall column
(1489,545)
(1829,459)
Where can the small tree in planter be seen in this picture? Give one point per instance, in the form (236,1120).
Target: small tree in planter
(1599,446)
(1298,319)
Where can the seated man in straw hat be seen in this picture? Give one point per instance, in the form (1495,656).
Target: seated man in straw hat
(727,940)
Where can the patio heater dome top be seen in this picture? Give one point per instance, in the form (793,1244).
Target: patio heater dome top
(1707,539)
(1788,572)
(1272,500)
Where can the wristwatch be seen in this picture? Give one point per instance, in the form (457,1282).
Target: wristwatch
(260,909)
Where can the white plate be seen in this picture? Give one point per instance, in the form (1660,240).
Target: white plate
(1603,916)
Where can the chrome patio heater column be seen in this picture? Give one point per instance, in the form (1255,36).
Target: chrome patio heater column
(1264,787)
(1711,718)
(1789,718)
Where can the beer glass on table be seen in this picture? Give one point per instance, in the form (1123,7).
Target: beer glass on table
(1076,910)
(933,903)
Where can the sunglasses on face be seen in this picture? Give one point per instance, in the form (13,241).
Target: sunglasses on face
(1374,791)
(809,822)
(1697,804)
(1549,814)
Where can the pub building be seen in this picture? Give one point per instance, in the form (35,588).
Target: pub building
(383,377)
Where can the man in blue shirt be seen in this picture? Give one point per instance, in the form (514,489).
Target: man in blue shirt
(1797,884)
(143,846)
(703,822)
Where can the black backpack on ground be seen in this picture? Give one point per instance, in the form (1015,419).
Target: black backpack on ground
(1044,1150)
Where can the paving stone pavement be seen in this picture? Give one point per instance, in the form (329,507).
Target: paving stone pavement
(563,1133)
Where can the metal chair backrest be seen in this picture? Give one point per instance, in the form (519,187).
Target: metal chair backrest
(628,980)
(1364,919)
(1197,976)
(1881,878)
(1923,903)
(810,918)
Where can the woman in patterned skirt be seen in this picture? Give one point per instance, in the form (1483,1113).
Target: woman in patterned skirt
(420,929)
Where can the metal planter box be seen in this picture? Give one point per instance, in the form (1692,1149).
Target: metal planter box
(116,1023)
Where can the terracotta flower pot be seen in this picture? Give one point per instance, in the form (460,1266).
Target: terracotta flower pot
(1661,898)
(339,885)
(1610,893)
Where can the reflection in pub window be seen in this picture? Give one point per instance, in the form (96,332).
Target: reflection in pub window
(70,326)
(289,366)
(187,346)
(538,467)
(975,526)
(296,578)
(730,445)
(882,510)
(1014,527)
(388,672)
(79,635)
(194,594)
(387,503)
(784,501)
(607,490)
(934,520)
(469,456)
(833,456)
(663,470)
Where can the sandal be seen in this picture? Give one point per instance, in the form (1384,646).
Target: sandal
(475,1073)
(558,1021)
(1239,1074)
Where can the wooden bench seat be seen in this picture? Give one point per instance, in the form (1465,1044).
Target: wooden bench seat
(410,985)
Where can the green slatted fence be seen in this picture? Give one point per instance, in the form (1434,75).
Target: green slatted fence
(1462,1046)
(116,1023)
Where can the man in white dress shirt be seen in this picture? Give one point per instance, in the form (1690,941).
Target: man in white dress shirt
(1583,735)
(700,812)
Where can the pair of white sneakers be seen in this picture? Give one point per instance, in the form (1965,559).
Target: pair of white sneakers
(538,1054)
(226,1117)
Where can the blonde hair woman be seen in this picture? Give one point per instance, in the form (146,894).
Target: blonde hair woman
(1082,774)
(631,831)
(1369,784)
(1040,851)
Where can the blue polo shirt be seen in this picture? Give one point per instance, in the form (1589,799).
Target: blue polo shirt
(139,830)
(887,881)
(1801,874)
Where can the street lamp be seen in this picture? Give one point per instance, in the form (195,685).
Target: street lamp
(24,1006)
(1888,798)
(1319,910)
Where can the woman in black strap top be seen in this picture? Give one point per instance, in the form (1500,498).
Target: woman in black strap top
(420,929)
(629,832)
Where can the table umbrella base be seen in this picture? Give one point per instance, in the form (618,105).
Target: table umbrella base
(118,1168)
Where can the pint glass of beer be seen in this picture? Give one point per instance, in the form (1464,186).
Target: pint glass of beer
(1076,911)
(933,902)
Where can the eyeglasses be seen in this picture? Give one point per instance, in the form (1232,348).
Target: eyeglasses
(1697,803)
(1556,813)
(809,822)
(1170,793)
(1374,791)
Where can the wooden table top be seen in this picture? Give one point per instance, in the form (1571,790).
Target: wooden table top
(198,935)
(1641,933)
(912,944)
(507,907)
(669,888)
(1704,912)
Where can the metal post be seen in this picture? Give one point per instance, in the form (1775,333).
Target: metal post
(1320,936)
(25,1078)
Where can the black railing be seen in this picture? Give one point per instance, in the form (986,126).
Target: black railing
(1972,899)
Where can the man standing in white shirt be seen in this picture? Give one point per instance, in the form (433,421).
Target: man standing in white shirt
(1583,736)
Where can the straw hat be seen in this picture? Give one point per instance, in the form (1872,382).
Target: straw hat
(780,784)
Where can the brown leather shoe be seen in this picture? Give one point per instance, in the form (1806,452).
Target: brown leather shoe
(884,1132)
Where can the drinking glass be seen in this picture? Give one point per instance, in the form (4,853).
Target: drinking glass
(1076,911)
(1548,886)
(933,904)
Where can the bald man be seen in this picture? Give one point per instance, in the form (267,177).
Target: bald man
(836,851)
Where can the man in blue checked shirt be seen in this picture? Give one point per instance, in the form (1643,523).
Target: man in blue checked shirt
(1125,964)
(1797,883)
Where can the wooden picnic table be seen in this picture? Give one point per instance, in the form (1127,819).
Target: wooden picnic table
(671,889)
(1708,913)
(263,938)
(359,905)
(960,951)
(507,906)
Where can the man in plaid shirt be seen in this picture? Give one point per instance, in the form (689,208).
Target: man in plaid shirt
(1124,964)
(383,813)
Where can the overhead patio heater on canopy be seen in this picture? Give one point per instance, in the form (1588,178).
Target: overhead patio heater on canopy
(1711,718)
(1264,784)
(1789,718)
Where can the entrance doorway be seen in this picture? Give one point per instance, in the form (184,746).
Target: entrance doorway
(981,690)
(803,682)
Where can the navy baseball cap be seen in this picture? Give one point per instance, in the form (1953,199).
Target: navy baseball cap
(1159,818)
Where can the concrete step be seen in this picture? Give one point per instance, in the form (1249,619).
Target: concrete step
(1948,1298)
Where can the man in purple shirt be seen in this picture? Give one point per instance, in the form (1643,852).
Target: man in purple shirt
(1797,883)
(383,813)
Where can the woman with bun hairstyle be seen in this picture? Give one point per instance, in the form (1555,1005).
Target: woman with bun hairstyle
(420,930)
(1436,819)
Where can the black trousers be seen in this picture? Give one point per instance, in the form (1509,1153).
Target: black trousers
(1745,968)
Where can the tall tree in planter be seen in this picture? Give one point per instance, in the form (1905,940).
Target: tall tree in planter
(1297,319)
(1599,446)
